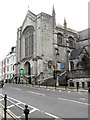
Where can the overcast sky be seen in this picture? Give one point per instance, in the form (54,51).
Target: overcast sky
(12,14)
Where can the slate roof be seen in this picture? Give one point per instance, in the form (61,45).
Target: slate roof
(75,53)
(83,35)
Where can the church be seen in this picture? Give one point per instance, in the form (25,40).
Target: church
(43,47)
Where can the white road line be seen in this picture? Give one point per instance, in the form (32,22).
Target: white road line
(1,99)
(13,105)
(64,99)
(53,90)
(36,93)
(73,101)
(17,88)
(10,106)
(16,100)
(33,110)
(51,115)
(82,98)
(48,89)
(79,92)
(22,103)
(59,90)
(14,88)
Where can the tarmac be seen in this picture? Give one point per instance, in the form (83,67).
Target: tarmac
(71,89)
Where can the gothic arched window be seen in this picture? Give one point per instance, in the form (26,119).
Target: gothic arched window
(83,63)
(72,65)
(28,35)
(71,41)
(59,39)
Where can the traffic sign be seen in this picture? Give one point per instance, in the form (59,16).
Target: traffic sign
(21,71)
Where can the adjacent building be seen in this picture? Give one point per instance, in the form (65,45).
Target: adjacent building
(8,65)
(0,70)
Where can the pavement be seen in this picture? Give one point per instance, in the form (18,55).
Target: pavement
(72,89)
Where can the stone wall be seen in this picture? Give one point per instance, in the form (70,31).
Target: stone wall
(79,73)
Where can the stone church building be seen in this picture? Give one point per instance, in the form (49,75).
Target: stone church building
(43,47)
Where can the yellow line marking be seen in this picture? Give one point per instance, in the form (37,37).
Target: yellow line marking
(11,112)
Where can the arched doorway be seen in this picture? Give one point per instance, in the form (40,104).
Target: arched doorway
(27,68)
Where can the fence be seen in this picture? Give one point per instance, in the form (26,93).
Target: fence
(6,111)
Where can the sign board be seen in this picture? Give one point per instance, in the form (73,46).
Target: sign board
(62,65)
(21,71)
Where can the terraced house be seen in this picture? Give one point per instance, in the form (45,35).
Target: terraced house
(44,48)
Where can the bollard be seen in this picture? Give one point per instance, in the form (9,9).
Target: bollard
(89,90)
(77,86)
(55,85)
(5,108)
(39,83)
(26,111)
(46,84)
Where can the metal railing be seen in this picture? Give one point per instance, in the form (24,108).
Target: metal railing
(7,111)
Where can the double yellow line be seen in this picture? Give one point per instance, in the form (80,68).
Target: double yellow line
(11,112)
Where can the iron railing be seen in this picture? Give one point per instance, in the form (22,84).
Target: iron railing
(7,111)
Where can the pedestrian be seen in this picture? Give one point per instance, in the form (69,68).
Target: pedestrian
(16,79)
(19,81)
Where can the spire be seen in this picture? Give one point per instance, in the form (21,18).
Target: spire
(54,17)
(65,23)
(53,11)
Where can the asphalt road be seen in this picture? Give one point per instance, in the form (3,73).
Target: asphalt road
(46,103)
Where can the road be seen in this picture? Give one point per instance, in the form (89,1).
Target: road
(47,103)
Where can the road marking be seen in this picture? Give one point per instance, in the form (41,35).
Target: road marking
(59,90)
(73,101)
(33,110)
(79,92)
(36,93)
(64,99)
(82,98)
(10,112)
(15,88)
(1,99)
(51,115)
(14,114)
(53,90)
(22,103)
(68,91)
(48,89)
(10,106)
(13,105)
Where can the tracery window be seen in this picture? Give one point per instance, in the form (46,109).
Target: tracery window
(71,42)
(59,38)
(29,44)
(72,65)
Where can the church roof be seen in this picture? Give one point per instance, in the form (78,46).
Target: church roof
(75,53)
(68,29)
(83,35)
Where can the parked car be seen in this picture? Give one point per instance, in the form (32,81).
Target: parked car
(1,83)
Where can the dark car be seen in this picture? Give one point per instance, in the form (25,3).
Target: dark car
(1,83)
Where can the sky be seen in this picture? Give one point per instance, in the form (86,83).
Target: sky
(13,12)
